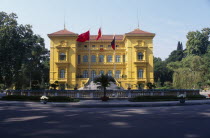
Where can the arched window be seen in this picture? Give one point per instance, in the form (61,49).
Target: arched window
(62,56)
(93,74)
(101,72)
(101,58)
(117,58)
(109,58)
(140,56)
(109,73)
(140,73)
(62,73)
(85,74)
(85,58)
(117,74)
(93,58)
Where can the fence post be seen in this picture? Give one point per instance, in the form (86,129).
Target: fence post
(177,93)
(29,94)
(78,95)
(91,95)
(129,94)
(55,94)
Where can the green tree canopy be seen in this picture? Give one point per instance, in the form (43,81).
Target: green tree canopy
(23,56)
(198,42)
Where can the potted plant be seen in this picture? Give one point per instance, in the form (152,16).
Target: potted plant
(104,82)
(182,98)
(44,99)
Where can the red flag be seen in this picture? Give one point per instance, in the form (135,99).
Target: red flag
(113,43)
(99,34)
(84,37)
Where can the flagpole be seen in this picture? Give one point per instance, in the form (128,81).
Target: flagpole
(114,63)
(89,72)
(114,57)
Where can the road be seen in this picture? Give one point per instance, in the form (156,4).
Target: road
(43,121)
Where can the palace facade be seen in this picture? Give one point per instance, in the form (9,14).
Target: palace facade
(73,65)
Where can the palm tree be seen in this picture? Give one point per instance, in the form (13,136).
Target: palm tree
(104,80)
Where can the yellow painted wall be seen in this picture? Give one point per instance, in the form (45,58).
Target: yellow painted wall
(129,46)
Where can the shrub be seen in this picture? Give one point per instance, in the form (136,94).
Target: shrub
(153,98)
(196,97)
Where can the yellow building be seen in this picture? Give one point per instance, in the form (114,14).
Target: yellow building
(69,59)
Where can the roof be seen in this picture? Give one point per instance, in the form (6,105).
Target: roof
(136,32)
(107,37)
(140,32)
(64,32)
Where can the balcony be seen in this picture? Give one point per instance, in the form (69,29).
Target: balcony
(62,62)
(62,79)
(140,62)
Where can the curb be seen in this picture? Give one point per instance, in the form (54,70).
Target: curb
(126,105)
(107,105)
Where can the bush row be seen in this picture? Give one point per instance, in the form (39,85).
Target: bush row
(37,98)
(164,98)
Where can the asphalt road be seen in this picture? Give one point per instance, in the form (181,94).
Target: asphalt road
(43,121)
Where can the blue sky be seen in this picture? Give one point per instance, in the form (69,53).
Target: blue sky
(170,20)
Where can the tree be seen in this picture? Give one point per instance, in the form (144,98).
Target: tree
(179,46)
(21,54)
(188,73)
(161,72)
(197,43)
(104,80)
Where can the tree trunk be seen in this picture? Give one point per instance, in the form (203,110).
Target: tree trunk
(104,91)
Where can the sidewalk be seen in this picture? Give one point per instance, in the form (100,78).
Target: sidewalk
(110,103)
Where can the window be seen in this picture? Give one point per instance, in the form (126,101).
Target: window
(78,58)
(101,46)
(101,58)
(93,74)
(85,46)
(117,58)
(101,72)
(62,73)
(109,73)
(109,46)
(109,58)
(93,58)
(93,46)
(85,58)
(117,46)
(62,56)
(117,74)
(140,73)
(85,74)
(140,56)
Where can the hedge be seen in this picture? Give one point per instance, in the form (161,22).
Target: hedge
(37,98)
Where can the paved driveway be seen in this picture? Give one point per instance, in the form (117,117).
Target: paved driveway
(44,121)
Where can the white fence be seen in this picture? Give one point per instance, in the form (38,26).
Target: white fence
(98,93)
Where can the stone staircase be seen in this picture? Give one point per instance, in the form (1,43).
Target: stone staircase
(93,86)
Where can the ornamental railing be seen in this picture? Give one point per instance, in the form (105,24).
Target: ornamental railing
(99,93)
